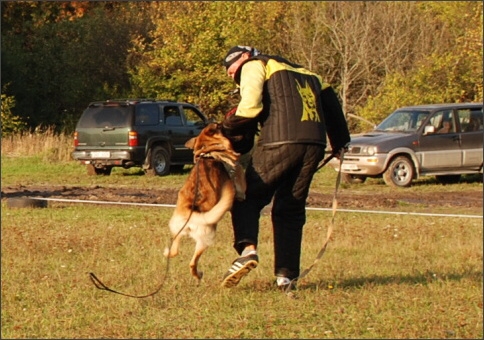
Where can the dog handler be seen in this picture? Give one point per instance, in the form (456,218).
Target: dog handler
(295,110)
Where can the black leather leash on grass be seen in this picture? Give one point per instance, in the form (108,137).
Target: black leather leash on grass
(331,226)
(100,285)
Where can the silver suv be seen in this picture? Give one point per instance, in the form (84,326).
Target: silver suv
(443,140)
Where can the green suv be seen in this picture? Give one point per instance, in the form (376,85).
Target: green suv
(143,133)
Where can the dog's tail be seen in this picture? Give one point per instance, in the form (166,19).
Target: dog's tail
(214,215)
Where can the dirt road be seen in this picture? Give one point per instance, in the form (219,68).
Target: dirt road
(346,198)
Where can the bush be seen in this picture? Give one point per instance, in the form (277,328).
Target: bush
(10,123)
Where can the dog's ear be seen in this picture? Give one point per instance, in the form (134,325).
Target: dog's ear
(191,143)
(212,129)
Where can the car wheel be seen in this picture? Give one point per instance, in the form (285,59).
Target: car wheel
(352,179)
(93,171)
(448,179)
(159,162)
(399,173)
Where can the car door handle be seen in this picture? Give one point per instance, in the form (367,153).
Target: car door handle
(456,138)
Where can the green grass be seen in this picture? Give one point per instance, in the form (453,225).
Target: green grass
(34,170)
(382,276)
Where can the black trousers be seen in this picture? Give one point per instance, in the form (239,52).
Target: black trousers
(283,174)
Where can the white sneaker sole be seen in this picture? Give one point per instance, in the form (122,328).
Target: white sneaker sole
(238,273)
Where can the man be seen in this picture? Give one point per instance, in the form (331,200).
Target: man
(445,127)
(295,110)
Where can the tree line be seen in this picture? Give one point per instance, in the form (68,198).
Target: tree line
(379,55)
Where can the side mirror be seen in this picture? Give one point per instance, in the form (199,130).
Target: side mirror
(429,129)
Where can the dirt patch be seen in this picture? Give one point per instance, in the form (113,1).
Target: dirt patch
(374,200)
(471,199)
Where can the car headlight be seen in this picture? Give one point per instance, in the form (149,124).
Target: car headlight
(368,150)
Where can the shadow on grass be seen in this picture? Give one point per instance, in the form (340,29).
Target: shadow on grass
(33,193)
(175,169)
(88,193)
(422,182)
(432,180)
(378,280)
(131,173)
(373,280)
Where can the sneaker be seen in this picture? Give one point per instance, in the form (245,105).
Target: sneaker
(240,267)
(285,284)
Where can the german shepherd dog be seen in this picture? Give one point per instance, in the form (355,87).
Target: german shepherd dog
(208,193)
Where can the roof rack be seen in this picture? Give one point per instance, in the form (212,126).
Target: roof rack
(130,101)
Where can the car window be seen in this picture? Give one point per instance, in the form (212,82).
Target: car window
(193,116)
(470,120)
(104,116)
(146,114)
(443,122)
(172,116)
(420,118)
(403,121)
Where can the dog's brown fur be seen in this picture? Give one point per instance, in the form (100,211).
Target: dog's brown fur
(207,194)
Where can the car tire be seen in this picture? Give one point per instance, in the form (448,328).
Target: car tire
(25,202)
(159,162)
(93,171)
(448,179)
(399,173)
(353,179)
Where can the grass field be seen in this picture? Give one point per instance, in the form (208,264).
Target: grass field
(383,276)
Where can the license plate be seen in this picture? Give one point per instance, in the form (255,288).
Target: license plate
(349,167)
(100,154)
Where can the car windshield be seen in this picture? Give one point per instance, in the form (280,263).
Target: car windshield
(403,121)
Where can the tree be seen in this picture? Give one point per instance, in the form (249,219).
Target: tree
(11,124)
(356,44)
(59,56)
(452,75)
(182,60)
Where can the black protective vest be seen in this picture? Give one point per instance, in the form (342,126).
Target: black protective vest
(292,110)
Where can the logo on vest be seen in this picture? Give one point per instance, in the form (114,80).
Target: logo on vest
(309,103)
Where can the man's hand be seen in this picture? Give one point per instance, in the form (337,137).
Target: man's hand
(240,131)
(339,152)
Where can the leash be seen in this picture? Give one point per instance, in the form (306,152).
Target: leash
(100,285)
(326,160)
(331,226)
